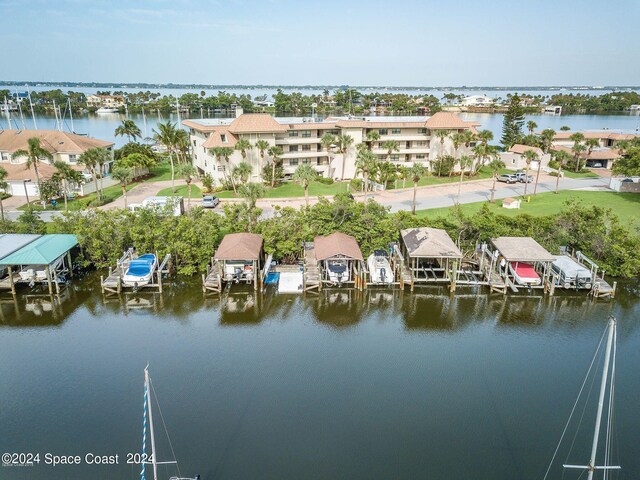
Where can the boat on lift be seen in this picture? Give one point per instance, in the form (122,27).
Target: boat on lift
(379,267)
(140,271)
(524,274)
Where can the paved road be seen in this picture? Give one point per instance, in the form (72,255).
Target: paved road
(436,196)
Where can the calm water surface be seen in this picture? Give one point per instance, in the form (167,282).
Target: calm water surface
(344,384)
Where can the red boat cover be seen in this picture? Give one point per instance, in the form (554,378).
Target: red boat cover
(524,270)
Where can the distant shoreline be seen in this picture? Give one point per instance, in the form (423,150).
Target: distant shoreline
(112,85)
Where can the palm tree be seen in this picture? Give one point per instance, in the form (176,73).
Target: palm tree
(485,136)
(129,129)
(529,156)
(591,143)
(343,142)
(94,159)
(3,186)
(226,152)
(366,162)
(124,175)
(189,173)
(578,147)
(531,126)
(262,146)
(275,152)
(242,171)
(182,144)
(386,171)
(416,171)
(252,192)
(547,136)
(442,135)
(166,135)
(328,141)
(65,172)
(390,146)
(372,137)
(465,161)
(242,146)
(34,153)
(561,157)
(305,174)
(495,165)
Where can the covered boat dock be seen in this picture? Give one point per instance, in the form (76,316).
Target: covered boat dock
(44,259)
(338,259)
(430,256)
(239,258)
(512,253)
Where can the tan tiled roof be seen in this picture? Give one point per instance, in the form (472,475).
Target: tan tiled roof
(520,149)
(596,154)
(53,141)
(448,120)
(336,244)
(239,246)
(312,126)
(200,127)
(256,123)
(215,139)
(19,171)
(603,134)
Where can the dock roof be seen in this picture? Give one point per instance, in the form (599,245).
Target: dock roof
(337,244)
(12,242)
(239,246)
(42,251)
(522,249)
(429,243)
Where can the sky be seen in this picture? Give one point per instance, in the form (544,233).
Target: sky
(283,42)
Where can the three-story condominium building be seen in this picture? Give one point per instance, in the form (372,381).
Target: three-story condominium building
(301,142)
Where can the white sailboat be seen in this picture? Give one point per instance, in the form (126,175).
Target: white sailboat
(148,415)
(606,396)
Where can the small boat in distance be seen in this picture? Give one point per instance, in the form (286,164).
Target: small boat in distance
(140,271)
(379,267)
(107,110)
(524,273)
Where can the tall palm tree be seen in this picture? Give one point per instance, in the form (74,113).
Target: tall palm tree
(328,142)
(129,129)
(531,126)
(529,156)
(226,152)
(242,171)
(65,173)
(166,135)
(591,143)
(416,172)
(188,172)
(366,162)
(3,186)
(34,153)
(275,152)
(386,171)
(547,136)
(252,192)
(243,145)
(442,135)
(372,137)
(94,159)
(577,148)
(262,146)
(465,161)
(343,142)
(485,136)
(390,146)
(182,144)
(305,174)
(124,175)
(562,158)
(495,165)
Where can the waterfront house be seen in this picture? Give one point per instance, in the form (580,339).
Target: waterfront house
(514,160)
(300,139)
(339,259)
(599,157)
(477,101)
(63,146)
(430,255)
(106,101)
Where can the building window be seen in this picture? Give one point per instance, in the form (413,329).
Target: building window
(395,131)
(293,148)
(306,133)
(73,159)
(421,144)
(221,168)
(334,132)
(293,133)
(223,137)
(306,161)
(5,157)
(319,161)
(293,162)
(422,130)
(306,148)
(383,131)
(420,157)
(395,158)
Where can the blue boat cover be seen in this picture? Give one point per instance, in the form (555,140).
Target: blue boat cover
(141,266)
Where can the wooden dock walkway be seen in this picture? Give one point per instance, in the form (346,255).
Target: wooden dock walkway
(311,271)
(212,280)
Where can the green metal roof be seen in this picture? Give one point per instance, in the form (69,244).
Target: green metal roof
(42,251)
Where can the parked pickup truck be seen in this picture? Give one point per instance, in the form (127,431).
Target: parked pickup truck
(209,201)
(508,178)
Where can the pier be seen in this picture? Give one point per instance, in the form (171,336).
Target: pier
(113,283)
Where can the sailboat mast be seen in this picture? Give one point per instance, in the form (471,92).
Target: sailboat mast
(603,388)
(6,108)
(33,115)
(147,383)
(55,112)
(144,123)
(73,130)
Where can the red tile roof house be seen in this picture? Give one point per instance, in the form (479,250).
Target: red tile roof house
(66,147)
(300,139)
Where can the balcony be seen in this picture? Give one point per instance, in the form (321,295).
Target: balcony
(297,140)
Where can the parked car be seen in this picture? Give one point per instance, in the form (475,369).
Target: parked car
(523,178)
(508,178)
(209,201)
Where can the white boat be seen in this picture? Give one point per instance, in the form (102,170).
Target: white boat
(524,273)
(339,270)
(140,271)
(606,399)
(143,458)
(107,110)
(570,273)
(238,271)
(379,267)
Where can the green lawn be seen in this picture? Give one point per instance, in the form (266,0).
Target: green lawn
(569,174)
(109,194)
(625,205)
(181,190)
(292,189)
(159,172)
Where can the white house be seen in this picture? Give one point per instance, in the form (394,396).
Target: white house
(514,160)
(477,101)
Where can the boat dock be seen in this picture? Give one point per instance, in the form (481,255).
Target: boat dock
(113,283)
